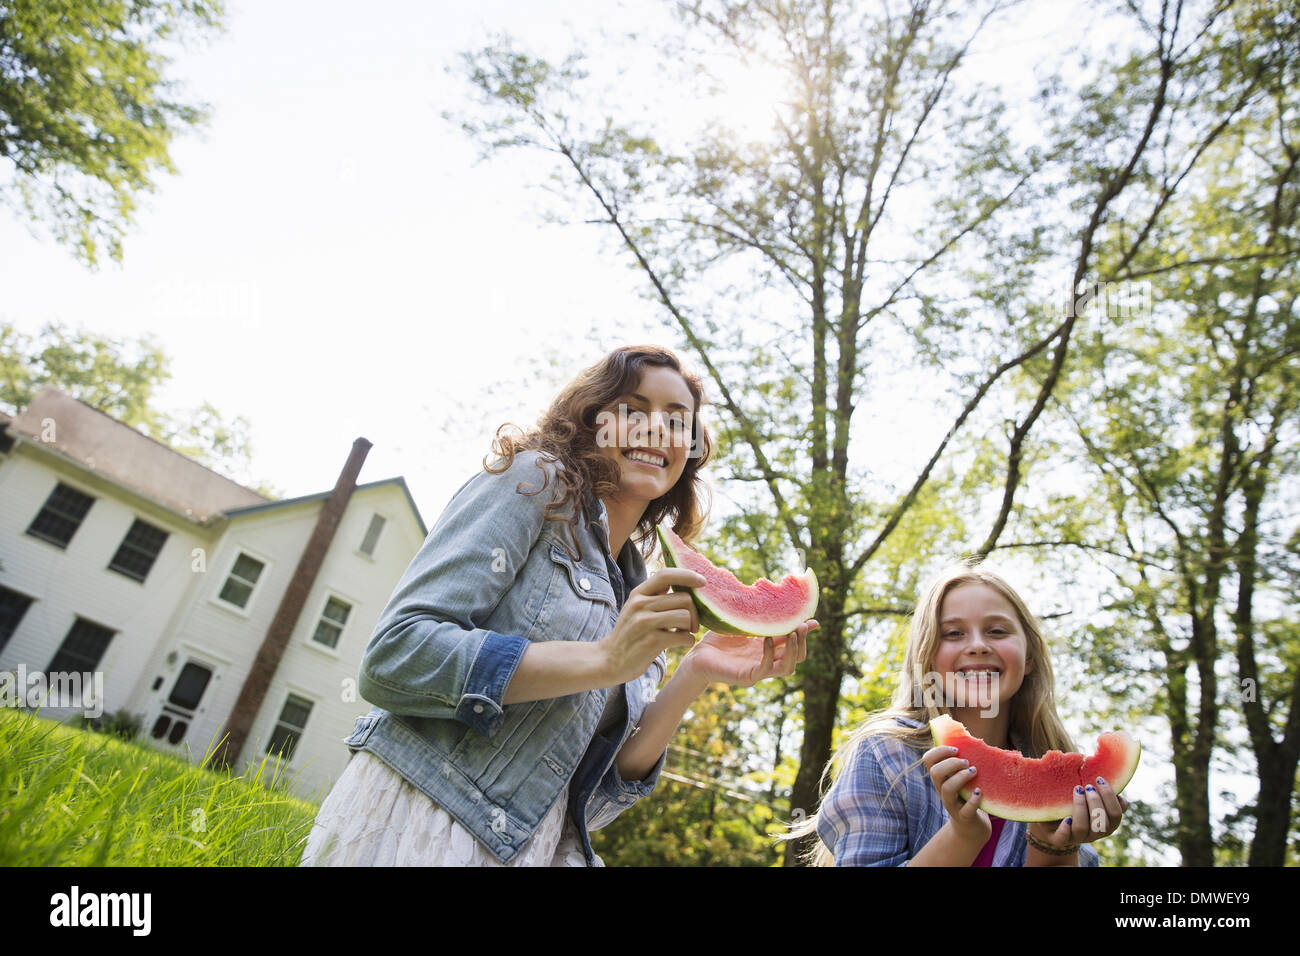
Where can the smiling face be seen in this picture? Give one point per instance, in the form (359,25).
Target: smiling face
(980,635)
(647,431)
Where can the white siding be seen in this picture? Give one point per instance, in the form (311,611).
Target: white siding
(175,616)
(76,581)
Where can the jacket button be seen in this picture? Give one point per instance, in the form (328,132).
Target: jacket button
(584,584)
(623,798)
(478,708)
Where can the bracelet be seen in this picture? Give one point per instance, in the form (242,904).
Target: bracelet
(1047,848)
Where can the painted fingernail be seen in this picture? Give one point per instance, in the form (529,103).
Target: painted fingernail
(1091,788)
(1099,780)
(1080,789)
(1069,819)
(977,791)
(972,770)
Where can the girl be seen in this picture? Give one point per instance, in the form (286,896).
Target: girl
(514,669)
(974,651)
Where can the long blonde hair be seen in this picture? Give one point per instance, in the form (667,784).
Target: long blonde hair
(1033,707)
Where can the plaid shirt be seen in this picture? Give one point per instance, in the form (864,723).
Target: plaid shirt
(863,823)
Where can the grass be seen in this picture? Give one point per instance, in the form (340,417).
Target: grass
(72,797)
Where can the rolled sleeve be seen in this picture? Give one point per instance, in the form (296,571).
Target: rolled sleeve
(861,821)
(430,654)
(480,706)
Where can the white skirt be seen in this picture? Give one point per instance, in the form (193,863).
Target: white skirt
(374,817)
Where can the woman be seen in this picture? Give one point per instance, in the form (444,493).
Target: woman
(513,672)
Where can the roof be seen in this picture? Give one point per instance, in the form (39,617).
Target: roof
(132,459)
(322,495)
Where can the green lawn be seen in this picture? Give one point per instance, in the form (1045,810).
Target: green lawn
(73,797)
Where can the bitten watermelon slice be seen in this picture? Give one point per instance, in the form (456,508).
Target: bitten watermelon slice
(1020,788)
(726,606)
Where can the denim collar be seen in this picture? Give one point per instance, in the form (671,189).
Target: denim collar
(629,559)
(598,516)
(595,509)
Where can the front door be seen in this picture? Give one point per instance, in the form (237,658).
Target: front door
(178,709)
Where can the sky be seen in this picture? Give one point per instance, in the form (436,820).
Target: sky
(330,261)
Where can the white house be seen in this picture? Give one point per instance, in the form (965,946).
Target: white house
(187,593)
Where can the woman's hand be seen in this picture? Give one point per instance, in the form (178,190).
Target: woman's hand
(949,774)
(1097,813)
(652,620)
(744,661)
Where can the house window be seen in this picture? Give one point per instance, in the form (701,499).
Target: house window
(82,649)
(61,516)
(243,577)
(138,551)
(372,534)
(293,718)
(331,623)
(12,608)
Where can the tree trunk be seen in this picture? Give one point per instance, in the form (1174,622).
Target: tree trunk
(1272,814)
(823,673)
(1195,839)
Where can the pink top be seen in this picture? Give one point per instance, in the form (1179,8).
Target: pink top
(986,855)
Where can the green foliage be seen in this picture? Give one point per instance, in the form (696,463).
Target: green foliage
(718,803)
(121,378)
(1187,419)
(116,376)
(1144,838)
(87,113)
(74,798)
(120,723)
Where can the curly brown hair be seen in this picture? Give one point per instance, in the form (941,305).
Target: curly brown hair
(567,432)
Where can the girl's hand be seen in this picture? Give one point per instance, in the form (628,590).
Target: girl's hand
(744,661)
(949,774)
(1097,813)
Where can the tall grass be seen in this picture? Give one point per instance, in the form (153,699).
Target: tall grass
(73,797)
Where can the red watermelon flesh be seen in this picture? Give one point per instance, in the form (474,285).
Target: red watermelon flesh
(1022,788)
(726,606)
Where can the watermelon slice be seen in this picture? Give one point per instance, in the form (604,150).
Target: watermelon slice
(1020,788)
(726,606)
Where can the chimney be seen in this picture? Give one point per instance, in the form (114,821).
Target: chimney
(258,681)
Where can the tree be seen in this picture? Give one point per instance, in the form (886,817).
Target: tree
(121,378)
(87,113)
(809,238)
(1190,419)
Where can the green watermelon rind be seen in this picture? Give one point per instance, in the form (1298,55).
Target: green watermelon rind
(711,618)
(1022,814)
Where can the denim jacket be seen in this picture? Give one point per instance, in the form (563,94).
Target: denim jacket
(492,576)
(883,807)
